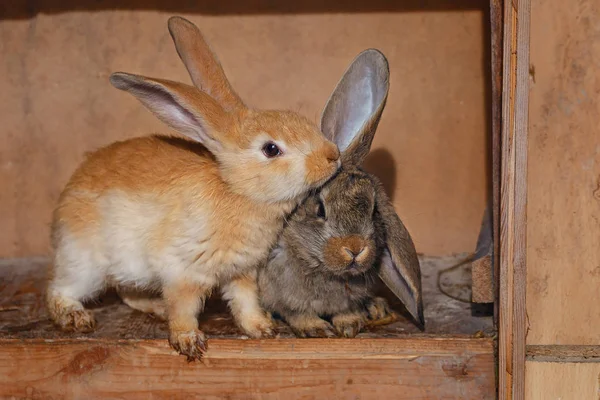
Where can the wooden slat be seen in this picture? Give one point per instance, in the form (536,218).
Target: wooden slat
(564,381)
(238,369)
(512,315)
(561,353)
(485,267)
(496,36)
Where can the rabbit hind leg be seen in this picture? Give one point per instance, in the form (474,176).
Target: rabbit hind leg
(144,302)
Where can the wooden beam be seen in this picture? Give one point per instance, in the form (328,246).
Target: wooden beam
(404,368)
(515,105)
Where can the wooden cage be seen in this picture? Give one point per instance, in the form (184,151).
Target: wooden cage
(465,68)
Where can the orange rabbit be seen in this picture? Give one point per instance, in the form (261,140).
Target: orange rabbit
(180,217)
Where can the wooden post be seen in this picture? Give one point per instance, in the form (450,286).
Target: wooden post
(513,203)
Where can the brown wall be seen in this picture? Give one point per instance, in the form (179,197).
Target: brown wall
(57,103)
(563,221)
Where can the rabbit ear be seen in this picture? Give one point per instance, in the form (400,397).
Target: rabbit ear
(182,107)
(202,64)
(400,269)
(352,112)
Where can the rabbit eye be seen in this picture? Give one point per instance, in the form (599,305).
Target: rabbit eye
(271,150)
(321,210)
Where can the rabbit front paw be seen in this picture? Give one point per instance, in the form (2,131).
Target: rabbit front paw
(77,321)
(257,326)
(378,308)
(309,326)
(348,324)
(191,343)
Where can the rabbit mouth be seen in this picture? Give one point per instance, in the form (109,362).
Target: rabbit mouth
(317,185)
(351,269)
(355,268)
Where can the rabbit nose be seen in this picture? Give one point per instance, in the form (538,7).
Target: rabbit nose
(353,253)
(332,153)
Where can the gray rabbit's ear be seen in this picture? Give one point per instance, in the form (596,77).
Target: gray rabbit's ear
(400,269)
(353,111)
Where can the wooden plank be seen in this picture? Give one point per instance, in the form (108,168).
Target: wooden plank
(560,353)
(485,267)
(563,283)
(239,369)
(564,381)
(512,315)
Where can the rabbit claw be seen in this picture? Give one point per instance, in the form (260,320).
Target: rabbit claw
(311,327)
(78,321)
(191,344)
(316,332)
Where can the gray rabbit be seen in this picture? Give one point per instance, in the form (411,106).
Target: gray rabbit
(347,233)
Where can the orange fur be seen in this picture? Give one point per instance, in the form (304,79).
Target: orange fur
(184,301)
(242,294)
(172,215)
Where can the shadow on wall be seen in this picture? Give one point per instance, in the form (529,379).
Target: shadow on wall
(21,9)
(380,163)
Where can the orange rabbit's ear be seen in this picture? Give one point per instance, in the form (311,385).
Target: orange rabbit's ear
(182,107)
(202,64)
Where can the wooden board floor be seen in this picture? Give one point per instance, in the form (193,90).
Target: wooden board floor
(128,355)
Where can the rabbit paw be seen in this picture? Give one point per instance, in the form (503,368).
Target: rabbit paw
(77,321)
(349,324)
(378,308)
(257,326)
(191,344)
(310,327)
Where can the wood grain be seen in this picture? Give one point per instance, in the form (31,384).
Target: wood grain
(57,102)
(512,314)
(563,280)
(238,369)
(563,381)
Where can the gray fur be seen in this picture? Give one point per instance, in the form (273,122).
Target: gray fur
(307,277)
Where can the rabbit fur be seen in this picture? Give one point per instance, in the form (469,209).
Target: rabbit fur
(347,233)
(178,217)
